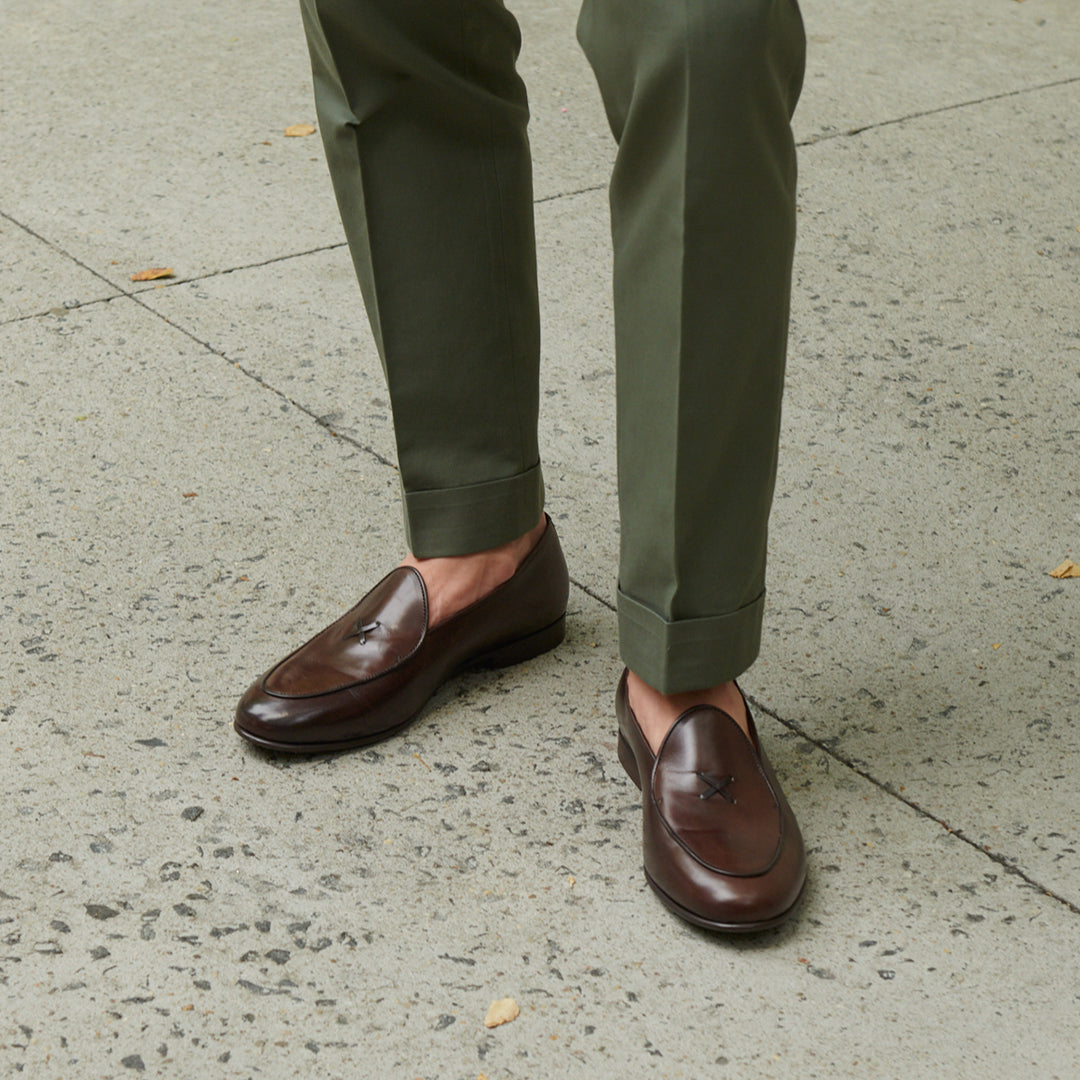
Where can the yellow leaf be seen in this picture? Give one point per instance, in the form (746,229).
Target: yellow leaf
(501,1012)
(295,130)
(1067,569)
(153,275)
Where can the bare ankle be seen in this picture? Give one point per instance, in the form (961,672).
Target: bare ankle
(453,582)
(656,712)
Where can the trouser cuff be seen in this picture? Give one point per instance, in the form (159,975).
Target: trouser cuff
(688,654)
(461,520)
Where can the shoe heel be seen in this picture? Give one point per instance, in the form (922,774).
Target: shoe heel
(628,761)
(524,648)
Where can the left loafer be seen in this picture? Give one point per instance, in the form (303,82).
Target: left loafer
(370,673)
(721,847)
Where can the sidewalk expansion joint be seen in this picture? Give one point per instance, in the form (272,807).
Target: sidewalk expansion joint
(134,297)
(570,194)
(595,596)
(118,292)
(848,132)
(341,436)
(797,729)
(173,282)
(888,789)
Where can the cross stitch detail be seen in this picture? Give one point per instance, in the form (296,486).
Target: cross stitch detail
(716,787)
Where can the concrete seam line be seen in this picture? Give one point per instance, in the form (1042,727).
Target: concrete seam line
(1001,860)
(371,451)
(595,596)
(570,194)
(940,109)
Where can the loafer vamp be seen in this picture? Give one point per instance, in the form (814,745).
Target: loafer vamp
(380,634)
(354,681)
(720,844)
(354,715)
(370,672)
(713,797)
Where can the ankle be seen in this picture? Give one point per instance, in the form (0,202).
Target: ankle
(453,582)
(656,712)
(522,547)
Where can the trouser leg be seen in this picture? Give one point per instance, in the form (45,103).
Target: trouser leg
(424,122)
(699,94)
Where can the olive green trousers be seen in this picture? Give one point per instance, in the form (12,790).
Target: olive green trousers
(424,119)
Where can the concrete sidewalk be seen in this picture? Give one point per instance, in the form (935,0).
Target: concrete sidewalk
(198,474)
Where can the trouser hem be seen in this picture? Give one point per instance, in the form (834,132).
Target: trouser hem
(688,654)
(461,520)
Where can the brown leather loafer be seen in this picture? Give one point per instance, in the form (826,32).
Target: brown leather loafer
(371,672)
(722,848)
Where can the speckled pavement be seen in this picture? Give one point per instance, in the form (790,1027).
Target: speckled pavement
(198,474)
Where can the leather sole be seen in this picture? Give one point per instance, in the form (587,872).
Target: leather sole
(513,652)
(522,649)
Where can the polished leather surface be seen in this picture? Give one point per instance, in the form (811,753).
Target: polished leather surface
(370,672)
(721,846)
(379,635)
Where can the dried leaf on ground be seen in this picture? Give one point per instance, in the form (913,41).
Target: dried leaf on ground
(294,131)
(154,274)
(1067,569)
(501,1012)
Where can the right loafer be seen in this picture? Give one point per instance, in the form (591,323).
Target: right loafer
(722,848)
(370,673)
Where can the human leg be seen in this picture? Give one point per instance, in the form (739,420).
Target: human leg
(423,118)
(424,122)
(700,95)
